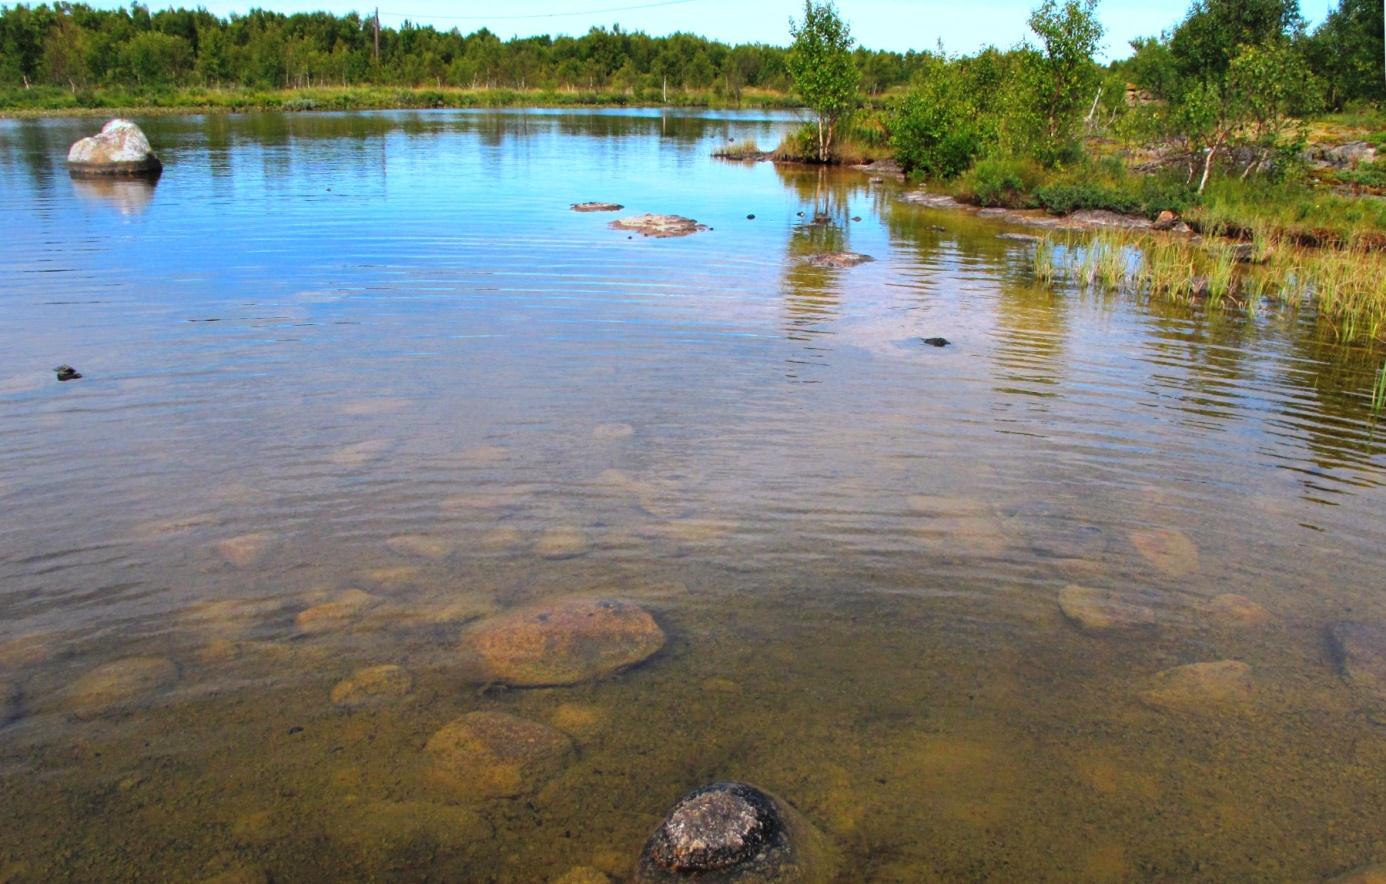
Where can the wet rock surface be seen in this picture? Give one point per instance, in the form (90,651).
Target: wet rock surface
(1221,685)
(497,755)
(659,226)
(1359,653)
(114,686)
(562,642)
(838,260)
(596,207)
(120,149)
(67,373)
(733,832)
(372,686)
(1100,610)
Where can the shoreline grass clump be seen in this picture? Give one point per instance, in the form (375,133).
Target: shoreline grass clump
(1379,391)
(745,149)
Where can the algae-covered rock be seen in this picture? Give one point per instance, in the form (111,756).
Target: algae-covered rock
(115,686)
(734,832)
(562,543)
(659,226)
(562,642)
(1104,609)
(1221,685)
(372,686)
(497,755)
(838,260)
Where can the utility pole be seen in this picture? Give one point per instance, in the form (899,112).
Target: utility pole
(377,35)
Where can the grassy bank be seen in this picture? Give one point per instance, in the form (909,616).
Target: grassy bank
(53,101)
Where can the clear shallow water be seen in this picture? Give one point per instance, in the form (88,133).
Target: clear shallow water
(331,332)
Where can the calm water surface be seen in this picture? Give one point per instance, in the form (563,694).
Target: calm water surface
(378,352)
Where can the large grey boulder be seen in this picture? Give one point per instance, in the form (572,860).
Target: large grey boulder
(120,149)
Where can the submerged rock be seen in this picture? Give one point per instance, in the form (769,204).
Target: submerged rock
(1201,687)
(245,551)
(1238,609)
(119,149)
(1104,609)
(372,686)
(596,207)
(1169,550)
(562,543)
(563,642)
(1374,874)
(610,432)
(838,260)
(334,615)
(1359,651)
(66,372)
(497,755)
(10,702)
(583,875)
(113,686)
(936,342)
(734,832)
(423,546)
(659,226)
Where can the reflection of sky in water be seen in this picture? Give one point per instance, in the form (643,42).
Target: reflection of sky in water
(333,330)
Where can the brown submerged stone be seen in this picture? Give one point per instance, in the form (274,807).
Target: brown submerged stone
(1359,651)
(563,642)
(372,686)
(497,755)
(733,832)
(114,686)
(1170,551)
(1104,609)
(1221,685)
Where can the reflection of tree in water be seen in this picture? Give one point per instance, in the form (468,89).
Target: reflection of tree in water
(812,295)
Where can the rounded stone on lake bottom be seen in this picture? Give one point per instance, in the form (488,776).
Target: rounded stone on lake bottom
(562,543)
(1104,609)
(245,551)
(612,432)
(562,642)
(114,686)
(1201,687)
(1359,651)
(372,686)
(1373,874)
(733,832)
(334,615)
(497,755)
(1238,610)
(583,875)
(423,546)
(1170,551)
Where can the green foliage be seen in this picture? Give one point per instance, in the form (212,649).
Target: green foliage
(821,66)
(1213,32)
(1063,74)
(1346,51)
(1003,182)
(938,130)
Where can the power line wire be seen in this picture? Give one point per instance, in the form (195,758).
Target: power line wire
(421,16)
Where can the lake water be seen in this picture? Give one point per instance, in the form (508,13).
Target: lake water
(377,351)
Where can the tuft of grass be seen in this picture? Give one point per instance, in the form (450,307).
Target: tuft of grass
(1379,391)
(746,149)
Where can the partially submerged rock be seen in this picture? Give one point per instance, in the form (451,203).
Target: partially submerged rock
(596,207)
(66,372)
(659,226)
(1104,609)
(497,755)
(563,642)
(1201,687)
(734,832)
(1359,652)
(119,149)
(114,686)
(372,686)
(838,260)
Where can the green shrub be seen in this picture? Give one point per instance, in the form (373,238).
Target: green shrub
(1002,182)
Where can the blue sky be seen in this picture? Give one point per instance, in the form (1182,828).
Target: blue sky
(882,24)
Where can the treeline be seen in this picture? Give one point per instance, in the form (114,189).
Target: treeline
(78,48)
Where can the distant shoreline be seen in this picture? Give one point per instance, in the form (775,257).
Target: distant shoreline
(56,102)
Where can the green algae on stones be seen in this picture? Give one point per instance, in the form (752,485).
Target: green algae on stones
(562,642)
(496,755)
(372,686)
(115,686)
